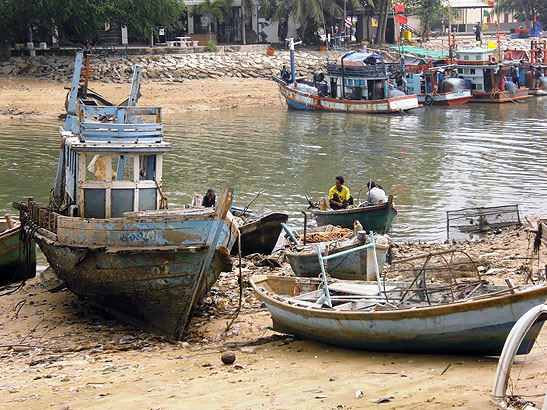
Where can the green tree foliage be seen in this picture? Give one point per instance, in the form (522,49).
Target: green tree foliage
(79,20)
(213,9)
(524,9)
(429,11)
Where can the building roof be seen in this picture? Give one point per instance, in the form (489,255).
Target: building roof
(467,4)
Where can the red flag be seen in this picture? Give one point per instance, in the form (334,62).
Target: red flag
(490,3)
(399,8)
(401,19)
(535,18)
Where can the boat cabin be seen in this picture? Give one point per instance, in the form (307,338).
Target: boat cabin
(358,76)
(111,160)
(479,68)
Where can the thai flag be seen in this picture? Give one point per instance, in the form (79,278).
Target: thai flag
(348,22)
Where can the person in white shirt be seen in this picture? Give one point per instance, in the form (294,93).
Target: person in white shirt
(375,194)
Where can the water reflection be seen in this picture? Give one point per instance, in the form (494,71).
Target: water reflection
(431,159)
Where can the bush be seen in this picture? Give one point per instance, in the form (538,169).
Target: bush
(211,47)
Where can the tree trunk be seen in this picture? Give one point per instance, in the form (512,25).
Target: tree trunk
(382,23)
(527,14)
(209,19)
(243,39)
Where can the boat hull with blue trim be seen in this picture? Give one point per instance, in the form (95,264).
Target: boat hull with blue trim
(303,101)
(477,327)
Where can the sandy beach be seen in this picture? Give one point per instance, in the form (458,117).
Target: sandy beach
(60,352)
(22,97)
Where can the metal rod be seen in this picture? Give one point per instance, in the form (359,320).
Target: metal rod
(326,295)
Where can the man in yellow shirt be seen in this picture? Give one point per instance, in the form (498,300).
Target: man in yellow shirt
(339,196)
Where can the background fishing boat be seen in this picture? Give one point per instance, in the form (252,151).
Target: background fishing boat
(434,82)
(17,257)
(356,83)
(377,218)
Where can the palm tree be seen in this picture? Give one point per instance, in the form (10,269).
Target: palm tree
(304,11)
(212,9)
(245,4)
(523,7)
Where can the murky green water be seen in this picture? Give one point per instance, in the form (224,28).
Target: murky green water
(431,160)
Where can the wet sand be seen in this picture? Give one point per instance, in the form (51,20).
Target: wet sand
(61,352)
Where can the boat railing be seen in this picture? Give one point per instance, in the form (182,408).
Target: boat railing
(325,298)
(124,125)
(369,70)
(374,70)
(36,216)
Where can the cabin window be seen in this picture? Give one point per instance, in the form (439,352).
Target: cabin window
(96,166)
(460,70)
(471,71)
(147,167)
(123,167)
(466,57)
(479,87)
(147,199)
(478,58)
(466,70)
(95,200)
(122,200)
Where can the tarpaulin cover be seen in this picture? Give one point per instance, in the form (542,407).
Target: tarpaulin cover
(514,55)
(453,85)
(355,59)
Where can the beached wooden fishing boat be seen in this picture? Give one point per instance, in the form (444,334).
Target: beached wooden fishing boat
(260,234)
(375,218)
(363,316)
(356,83)
(17,258)
(107,232)
(355,266)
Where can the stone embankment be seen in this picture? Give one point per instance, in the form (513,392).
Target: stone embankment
(170,67)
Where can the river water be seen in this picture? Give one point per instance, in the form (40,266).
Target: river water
(431,159)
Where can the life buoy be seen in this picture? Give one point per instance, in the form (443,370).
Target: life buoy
(429,99)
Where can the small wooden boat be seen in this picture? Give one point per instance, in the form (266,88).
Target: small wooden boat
(17,258)
(371,316)
(107,232)
(260,234)
(355,266)
(356,83)
(375,218)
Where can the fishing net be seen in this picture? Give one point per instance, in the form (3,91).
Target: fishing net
(462,222)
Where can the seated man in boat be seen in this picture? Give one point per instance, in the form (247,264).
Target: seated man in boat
(209,199)
(375,194)
(339,196)
(285,74)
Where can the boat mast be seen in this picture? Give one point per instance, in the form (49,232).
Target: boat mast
(292,43)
